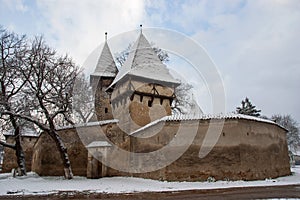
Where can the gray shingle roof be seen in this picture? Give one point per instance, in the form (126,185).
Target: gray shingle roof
(143,62)
(106,65)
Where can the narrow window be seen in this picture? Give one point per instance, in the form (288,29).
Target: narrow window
(161,101)
(141,98)
(150,103)
(106,110)
(223,133)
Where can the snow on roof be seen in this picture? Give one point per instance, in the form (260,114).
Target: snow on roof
(96,144)
(106,65)
(181,117)
(97,123)
(2,137)
(25,131)
(143,62)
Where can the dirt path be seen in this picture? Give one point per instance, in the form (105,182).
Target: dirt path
(292,191)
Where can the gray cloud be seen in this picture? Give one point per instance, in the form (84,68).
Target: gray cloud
(256,47)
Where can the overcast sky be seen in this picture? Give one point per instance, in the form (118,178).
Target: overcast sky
(255,44)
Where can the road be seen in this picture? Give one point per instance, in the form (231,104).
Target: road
(292,191)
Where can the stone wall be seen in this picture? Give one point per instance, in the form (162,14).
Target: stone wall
(46,157)
(102,98)
(10,159)
(136,103)
(246,149)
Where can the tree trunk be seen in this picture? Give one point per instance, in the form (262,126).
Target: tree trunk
(20,153)
(63,154)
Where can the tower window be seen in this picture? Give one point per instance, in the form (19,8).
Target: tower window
(131,97)
(141,98)
(150,103)
(106,110)
(161,101)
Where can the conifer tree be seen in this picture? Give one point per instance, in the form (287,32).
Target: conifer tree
(248,109)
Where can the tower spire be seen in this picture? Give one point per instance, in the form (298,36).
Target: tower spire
(105,36)
(141,27)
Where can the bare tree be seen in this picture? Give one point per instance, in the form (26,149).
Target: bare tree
(49,83)
(83,100)
(122,56)
(293,135)
(13,52)
(184,102)
(162,55)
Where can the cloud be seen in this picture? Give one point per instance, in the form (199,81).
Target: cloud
(254,43)
(256,50)
(78,27)
(15,5)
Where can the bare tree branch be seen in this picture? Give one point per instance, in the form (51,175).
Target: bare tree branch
(12,146)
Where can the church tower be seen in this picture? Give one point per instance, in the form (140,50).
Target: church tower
(104,74)
(143,90)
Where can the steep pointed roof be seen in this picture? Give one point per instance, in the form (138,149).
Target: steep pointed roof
(106,65)
(143,62)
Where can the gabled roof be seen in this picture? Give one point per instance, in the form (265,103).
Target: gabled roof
(106,65)
(143,62)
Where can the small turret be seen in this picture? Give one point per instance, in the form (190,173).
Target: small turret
(104,74)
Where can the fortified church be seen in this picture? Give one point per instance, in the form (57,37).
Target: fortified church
(133,132)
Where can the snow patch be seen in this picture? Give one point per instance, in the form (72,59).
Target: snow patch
(33,184)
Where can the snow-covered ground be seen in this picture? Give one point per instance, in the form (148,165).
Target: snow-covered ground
(33,184)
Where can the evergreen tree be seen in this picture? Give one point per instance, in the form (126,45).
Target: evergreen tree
(248,109)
